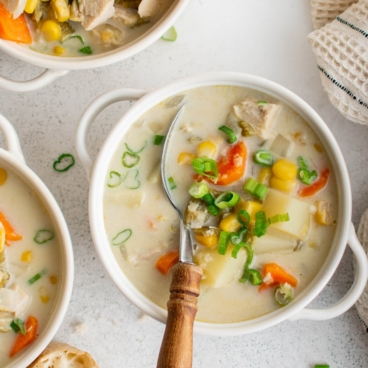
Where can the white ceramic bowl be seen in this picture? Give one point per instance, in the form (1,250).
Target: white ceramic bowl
(59,66)
(147,99)
(14,160)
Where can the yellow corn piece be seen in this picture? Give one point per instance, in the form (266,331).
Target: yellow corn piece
(285,170)
(3,176)
(265,176)
(230,223)
(207,149)
(53,279)
(44,295)
(51,30)
(58,50)
(30,6)
(185,158)
(61,10)
(208,241)
(285,186)
(323,214)
(27,256)
(252,208)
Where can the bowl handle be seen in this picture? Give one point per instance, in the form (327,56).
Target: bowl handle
(48,76)
(90,114)
(11,138)
(360,280)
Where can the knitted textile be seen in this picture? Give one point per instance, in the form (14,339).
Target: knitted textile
(341,48)
(362,303)
(325,11)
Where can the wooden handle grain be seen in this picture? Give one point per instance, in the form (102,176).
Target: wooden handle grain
(177,344)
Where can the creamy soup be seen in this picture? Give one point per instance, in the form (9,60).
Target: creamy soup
(29,266)
(259,196)
(78,27)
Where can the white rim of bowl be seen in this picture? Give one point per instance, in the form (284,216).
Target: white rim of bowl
(27,55)
(109,146)
(30,353)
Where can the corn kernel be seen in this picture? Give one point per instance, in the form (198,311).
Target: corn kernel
(44,295)
(27,256)
(3,176)
(265,176)
(53,279)
(323,214)
(252,208)
(58,50)
(285,186)
(51,30)
(207,149)
(30,6)
(285,170)
(185,158)
(208,241)
(230,223)
(61,10)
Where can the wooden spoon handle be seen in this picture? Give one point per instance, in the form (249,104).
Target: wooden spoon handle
(177,344)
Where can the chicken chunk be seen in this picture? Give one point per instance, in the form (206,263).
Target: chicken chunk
(14,7)
(96,12)
(149,8)
(259,117)
(129,16)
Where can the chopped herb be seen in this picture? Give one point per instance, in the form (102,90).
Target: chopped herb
(263,157)
(258,190)
(261,103)
(86,50)
(321,366)
(76,36)
(198,190)
(243,217)
(136,152)
(284,294)
(171,182)
(130,159)
(223,241)
(247,271)
(210,202)
(158,139)
(261,224)
(170,35)
(132,182)
(122,237)
(304,175)
(115,179)
(36,277)
(64,162)
(17,325)
(236,249)
(43,236)
(206,167)
(232,138)
(255,277)
(227,199)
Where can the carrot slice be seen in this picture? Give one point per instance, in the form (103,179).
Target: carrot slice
(166,261)
(13,29)
(315,187)
(231,166)
(24,340)
(279,276)
(10,233)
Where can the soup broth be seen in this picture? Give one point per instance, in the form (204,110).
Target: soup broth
(30,265)
(299,219)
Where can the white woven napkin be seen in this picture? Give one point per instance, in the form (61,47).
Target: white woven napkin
(362,303)
(341,47)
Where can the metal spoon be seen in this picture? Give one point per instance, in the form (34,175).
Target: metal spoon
(177,343)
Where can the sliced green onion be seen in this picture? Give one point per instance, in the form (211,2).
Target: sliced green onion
(223,241)
(36,277)
(130,159)
(122,237)
(261,103)
(206,167)
(170,35)
(17,325)
(279,218)
(158,139)
(227,199)
(136,152)
(76,36)
(249,260)
(263,157)
(304,175)
(261,224)
(237,238)
(256,189)
(132,183)
(115,179)
(198,190)
(243,217)
(321,366)
(210,202)
(236,249)
(255,277)
(284,294)
(64,162)
(232,138)
(43,236)
(86,50)
(171,182)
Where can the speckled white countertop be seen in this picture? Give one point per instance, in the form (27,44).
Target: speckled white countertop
(266,38)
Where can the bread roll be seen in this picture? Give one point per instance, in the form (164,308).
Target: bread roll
(60,355)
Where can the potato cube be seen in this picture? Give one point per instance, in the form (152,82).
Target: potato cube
(273,243)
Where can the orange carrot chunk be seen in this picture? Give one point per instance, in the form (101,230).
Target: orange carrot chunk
(10,233)
(315,187)
(166,261)
(24,340)
(13,29)
(277,276)
(231,166)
